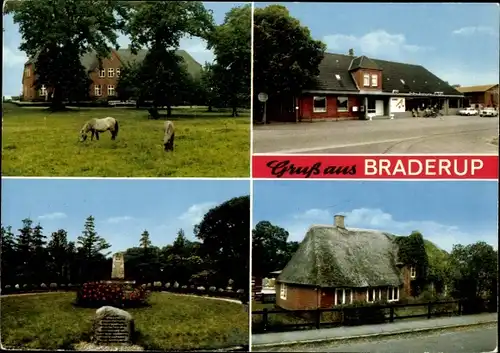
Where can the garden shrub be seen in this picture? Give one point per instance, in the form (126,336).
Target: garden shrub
(364,314)
(95,294)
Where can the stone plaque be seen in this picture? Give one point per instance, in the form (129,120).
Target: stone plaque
(112,325)
(118,267)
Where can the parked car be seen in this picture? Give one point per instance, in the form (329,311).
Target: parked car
(488,112)
(468,111)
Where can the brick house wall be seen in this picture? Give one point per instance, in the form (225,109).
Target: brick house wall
(306,108)
(308,297)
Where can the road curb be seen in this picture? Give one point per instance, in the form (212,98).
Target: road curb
(372,335)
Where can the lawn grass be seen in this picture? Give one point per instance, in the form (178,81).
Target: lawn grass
(39,143)
(173,322)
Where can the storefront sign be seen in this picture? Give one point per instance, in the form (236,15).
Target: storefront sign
(398,105)
(426,94)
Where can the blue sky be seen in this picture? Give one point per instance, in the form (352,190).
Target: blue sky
(458,42)
(13,59)
(122,208)
(446,213)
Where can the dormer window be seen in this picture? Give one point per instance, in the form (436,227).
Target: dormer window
(366,80)
(337,77)
(374,80)
(403,81)
(413,272)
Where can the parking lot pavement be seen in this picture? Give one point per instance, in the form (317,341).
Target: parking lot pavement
(450,134)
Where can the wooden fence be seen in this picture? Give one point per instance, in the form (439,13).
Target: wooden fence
(265,320)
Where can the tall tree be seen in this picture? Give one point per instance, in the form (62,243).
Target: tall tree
(90,242)
(270,247)
(57,250)
(8,255)
(24,250)
(286,58)
(145,242)
(159,26)
(224,232)
(60,33)
(231,43)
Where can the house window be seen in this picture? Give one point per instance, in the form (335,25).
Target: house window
(118,72)
(111,90)
(366,80)
(98,90)
(342,104)
(393,294)
(402,81)
(374,81)
(283,291)
(43,91)
(28,72)
(111,72)
(380,294)
(102,73)
(343,296)
(319,104)
(370,295)
(337,77)
(413,272)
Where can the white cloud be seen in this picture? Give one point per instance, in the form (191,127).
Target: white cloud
(195,213)
(443,235)
(377,44)
(459,74)
(119,219)
(12,58)
(52,216)
(470,30)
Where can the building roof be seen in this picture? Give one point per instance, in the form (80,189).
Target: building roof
(90,62)
(330,256)
(403,77)
(472,89)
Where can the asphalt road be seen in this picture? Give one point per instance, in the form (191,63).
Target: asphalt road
(476,340)
(450,134)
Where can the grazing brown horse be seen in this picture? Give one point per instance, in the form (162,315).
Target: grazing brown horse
(168,137)
(95,126)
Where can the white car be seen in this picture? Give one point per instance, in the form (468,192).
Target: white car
(468,111)
(488,112)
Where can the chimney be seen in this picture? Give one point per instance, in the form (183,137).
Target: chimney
(339,221)
(351,52)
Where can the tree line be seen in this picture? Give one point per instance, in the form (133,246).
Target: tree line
(467,272)
(219,253)
(63,31)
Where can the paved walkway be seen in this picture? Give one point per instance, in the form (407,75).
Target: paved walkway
(291,337)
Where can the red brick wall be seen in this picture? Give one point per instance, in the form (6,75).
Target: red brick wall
(359,77)
(306,107)
(28,81)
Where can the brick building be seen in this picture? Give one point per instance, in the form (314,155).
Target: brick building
(104,78)
(480,96)
(338,266)
(350,87)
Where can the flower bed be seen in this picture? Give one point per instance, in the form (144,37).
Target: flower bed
(95,294)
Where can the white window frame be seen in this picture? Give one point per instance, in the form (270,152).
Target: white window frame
(380,294)
(43,91)
(111,88)
(395,294)
(413,272)
(344,301)
(343,110)
(97,90)
(118,72)
(366,80)
(102,73)
(111,72)
(374,80)
(368,295)
(320,110)
(283,291)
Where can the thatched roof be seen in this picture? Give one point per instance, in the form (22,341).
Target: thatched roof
(330,256)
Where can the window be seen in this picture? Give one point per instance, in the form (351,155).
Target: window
(393,294)
(370,295)
(337,77)
(283,291)
(402,81)
(319,104)
(111,90)
(380,294)
(366,80)
(102,73)
(111,72)
(374,81)
(117,72)
(413,272)
(343,296)
(27,72)
(342,104)
(43,91)
(98,90)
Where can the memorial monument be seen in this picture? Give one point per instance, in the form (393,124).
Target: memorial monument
(118,269)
